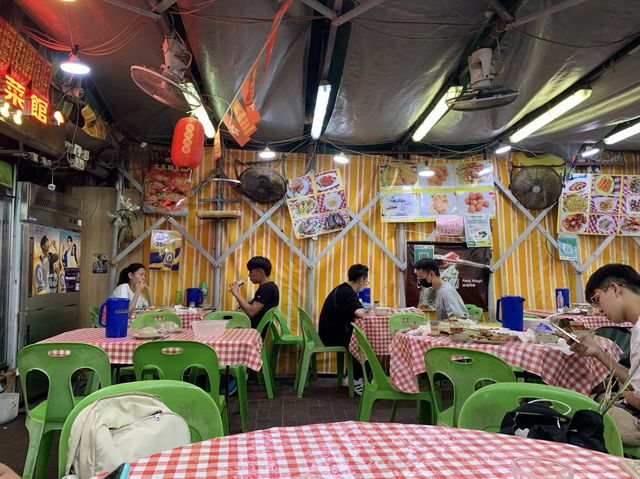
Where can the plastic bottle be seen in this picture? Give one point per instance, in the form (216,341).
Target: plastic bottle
(204,288)
(178,297)
(560,301)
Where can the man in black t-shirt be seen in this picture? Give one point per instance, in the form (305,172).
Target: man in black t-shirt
(267,296)
(338,311)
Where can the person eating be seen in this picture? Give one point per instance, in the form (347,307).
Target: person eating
(132,285)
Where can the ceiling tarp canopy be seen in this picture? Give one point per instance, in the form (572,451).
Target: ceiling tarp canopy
(390,64)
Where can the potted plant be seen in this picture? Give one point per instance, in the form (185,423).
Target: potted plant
(123,219)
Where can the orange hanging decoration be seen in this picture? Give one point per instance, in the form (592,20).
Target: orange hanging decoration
(187,147)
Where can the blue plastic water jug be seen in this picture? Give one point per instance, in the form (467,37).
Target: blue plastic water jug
(117,317)
(512,312)
(365,297)
(194,295)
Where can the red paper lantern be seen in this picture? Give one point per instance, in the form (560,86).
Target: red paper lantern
(187,147)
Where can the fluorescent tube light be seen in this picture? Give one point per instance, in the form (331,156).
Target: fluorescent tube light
(547,117)
(341,158)
(434,115)
(503,149)
(485,171)
(623,134)
(590,152)
(198,110)
(322,101)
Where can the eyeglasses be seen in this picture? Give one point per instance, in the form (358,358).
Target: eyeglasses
(595,299)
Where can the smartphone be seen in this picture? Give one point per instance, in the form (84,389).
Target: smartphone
(120,472)
(632,466)
(558,329)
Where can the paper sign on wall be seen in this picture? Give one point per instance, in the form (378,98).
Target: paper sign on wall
(477,230)
(165,250)
(449,226)
(568,247)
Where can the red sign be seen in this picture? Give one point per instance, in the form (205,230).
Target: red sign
(14,92)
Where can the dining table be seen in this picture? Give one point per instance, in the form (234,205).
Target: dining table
(589,321)
(368,450)
(186,315)
(551,362)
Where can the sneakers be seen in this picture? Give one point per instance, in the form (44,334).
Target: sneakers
(358,385)
(233,386)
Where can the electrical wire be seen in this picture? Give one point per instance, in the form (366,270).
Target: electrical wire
(575,45)
(232,20)
(406,37)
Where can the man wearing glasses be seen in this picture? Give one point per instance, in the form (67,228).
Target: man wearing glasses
(615,290)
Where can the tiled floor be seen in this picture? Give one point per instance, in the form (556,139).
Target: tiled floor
(323,402)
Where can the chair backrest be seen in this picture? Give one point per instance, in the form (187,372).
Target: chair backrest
(399,321)
(94,311)
(308,328)
(379,380)
(171,359)
(475,312)
(58,362)
(467,369)
(148,318)
(198,409)
(282,323)
(620,336)
(485,408)
(237,319)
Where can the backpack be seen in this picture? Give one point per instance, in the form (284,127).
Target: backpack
(122,428)
(540,421)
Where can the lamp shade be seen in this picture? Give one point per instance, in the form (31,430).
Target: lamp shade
(187,146)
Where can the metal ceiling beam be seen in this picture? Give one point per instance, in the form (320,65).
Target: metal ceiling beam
(543,13)
(133,8)
(359,10)
(164,5)
(498,7)
(320,8)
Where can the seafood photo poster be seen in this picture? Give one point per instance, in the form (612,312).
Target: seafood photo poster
(452,188)
(166,190)
(317,204)
(600,204)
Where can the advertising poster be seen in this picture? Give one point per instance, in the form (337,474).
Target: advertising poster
(166,191)
(69,275)
(477,230)
(100,263)
(317,204)
(56,260)
(165,250)
(460,188)
(472,282)
(600,205)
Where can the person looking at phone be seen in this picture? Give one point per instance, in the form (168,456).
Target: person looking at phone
(615,290)
(132,285)
(448,303)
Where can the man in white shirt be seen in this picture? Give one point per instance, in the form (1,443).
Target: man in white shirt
(448,303)
(615,289)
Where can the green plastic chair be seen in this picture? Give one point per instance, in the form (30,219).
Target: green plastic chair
(265,353)
(467,369)
(155,356)
(196,407)
(237,319)
(399,321)
(148,319)
(485,408)
(94,311)
(282,337)
(49,416)
(379,386)
(622,337)
(475,312)
(313,345)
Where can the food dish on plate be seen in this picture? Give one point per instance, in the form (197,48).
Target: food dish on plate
(309,227)
(486,336)
(439,204)
(630,224)
(303,207)
(399,175)
(476,202)
(605,205)
(440,177)
(634,185)
(606,224)
(574,222)
(577,185)
(633,205)
(147,333)
(399,205)
(605,184)
(298,186)
(469,173)
(573,203)
(332,201)
(327,180)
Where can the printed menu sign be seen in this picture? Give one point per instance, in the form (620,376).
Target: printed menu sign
(477,230)
(461,188)
(600,205)
(317,204)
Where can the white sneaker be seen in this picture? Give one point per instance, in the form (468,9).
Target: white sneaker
(358,385)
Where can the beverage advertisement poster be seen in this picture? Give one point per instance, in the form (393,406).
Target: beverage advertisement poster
(317,204)
(69,276)
(429,189)
(165,250)
(463,268)
(56,260)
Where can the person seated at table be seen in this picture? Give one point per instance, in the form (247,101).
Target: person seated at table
(267,296)
(615,290)
(340,307)
(448,303)
(132,285)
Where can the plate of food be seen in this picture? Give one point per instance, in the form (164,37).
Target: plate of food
(574,223)
(298,187)
(332,201)
(439,204)
(630,225)
(604,184)
(633,205)
(469,173)
(575,203)
(633,183)
(148,333)
(476,202)
(303,207)
(606,224)
(309,227)
(400,204)
(326,181)
(485,336)
(605,204)
(441,175)
(398,175)
(577,186)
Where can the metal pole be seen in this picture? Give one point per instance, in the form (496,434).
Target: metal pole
(402,256)
(15,263)
(114,233)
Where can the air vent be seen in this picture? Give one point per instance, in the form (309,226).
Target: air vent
(56,206)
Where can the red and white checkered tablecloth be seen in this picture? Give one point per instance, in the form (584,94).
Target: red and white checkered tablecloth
(376,329)
(187,317)
(590,322)
(234,346)
(554,367)
(368,450)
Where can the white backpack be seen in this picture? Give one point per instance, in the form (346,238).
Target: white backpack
(122,428)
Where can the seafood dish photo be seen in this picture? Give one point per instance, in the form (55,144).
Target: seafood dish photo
(573,203)
(606,224)
(439,204)
(167,190)
(440,177)
(477,202)
(298,187)
(327,181)
(633,205)
(309,227)
(574,222)
(469,173)
(398,175)
(400,205)
(604,205)
(577,185)
(630,224)
(303,207)
(633,184)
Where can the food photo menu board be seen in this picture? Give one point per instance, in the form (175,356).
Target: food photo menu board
(455,188)
(600,205)
(317,204)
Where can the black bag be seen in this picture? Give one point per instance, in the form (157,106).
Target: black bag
(540,421)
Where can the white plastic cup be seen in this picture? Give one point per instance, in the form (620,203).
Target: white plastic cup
(540,468)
